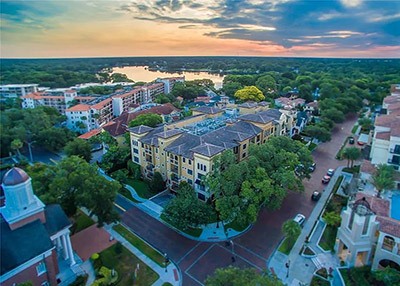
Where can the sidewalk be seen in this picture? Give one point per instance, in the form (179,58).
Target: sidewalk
(172,275)
(301,269)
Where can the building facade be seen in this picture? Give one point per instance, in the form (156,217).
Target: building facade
(17,90)
(185,150)
(368,235)
(33,236)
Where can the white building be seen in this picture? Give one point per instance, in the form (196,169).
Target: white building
(386,139)
(368,235)
(170,82)
(17,90)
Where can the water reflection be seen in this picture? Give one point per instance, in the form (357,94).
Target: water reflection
(141,73)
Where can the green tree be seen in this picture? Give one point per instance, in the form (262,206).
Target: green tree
(249,93)
(291,229)
(116,158)
(388,275)
(233,276)
(365,123)
(318,132)
(148,119)
(267,85)
(27,283)
(80,148)
(230,88)
(351,154)
(54,138)
(157,183)
(332,219)
(185,210)
(17,144)
(335,115)
(383,178)
(134,170)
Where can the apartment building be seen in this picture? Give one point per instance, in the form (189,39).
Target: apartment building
(185,150)
(17,90)
(170,82)
(386,138)
(60,99)
(369,233)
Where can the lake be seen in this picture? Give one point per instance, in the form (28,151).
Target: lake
(141,73)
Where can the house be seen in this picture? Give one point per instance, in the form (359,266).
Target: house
(34,237)
(385,147)
(369,233)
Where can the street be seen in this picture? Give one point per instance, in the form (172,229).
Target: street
(197,260)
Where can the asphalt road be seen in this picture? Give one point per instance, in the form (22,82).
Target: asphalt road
(197,260)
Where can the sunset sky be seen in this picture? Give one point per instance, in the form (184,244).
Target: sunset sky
(301,28)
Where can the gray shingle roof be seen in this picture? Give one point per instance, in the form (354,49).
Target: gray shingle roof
(208,150)
(263,117)
(56,219)
(22,244)
(140,129)
(169,133)
(207,109)
(184,144)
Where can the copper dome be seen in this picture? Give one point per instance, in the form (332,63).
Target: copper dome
(15,176)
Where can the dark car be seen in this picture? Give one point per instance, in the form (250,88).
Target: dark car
(312,167)
(315,196)
(351,140)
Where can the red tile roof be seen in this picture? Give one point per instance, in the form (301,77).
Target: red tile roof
(389,225)
(383,135)
(101,104)
(90,134)
(79,107)
(379,206)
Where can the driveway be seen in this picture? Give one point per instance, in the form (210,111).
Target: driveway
(252,249)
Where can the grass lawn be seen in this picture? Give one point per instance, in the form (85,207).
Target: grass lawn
(337,184)
(316,281)
(287,245)
(127,194)
(141,187)
(354,129)
(81,221)
(312,146)
(125,263)
(140,244)
(327,241)
(353,170)
(236,226)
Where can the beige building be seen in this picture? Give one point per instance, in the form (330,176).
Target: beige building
(185,150)
(368,235)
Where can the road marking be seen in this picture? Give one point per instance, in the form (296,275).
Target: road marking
(190,251)
(194,278)
(255,254)
(201,256)
(118,206)
(237,255)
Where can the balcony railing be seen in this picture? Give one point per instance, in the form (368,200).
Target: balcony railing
(394,162)
(395,151)
(174,169)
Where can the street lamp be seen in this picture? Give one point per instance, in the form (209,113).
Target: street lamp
(166,260)
(287,266)
(233,251)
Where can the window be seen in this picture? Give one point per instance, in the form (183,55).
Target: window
(190,172)
(205,168)
(184,160)
(366,224)
(388,243)
(244,155)
(190,162)
(198,165)
(136,151)
(244,146)
(142,145)
(136,159)
(41,268)
(45,283)
(190,182)
(134,143)
(235,150)
(350,225)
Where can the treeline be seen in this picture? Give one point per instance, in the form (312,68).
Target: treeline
(67,72)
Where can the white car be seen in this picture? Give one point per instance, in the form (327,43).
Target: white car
(300,219)
(330,172)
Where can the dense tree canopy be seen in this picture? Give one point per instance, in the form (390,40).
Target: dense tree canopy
(80,148)
(33,125)
(186,210)
(383,178)
(239,190)
(249,93)
(148,119)
(74,183)
(233,276)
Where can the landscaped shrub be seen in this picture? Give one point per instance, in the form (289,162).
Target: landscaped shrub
(308,251)
(80,280)
(118,248)
(323,273)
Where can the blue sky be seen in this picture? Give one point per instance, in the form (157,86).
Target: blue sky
(323,28)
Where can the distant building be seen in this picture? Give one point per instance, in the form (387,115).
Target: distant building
(34,237)
(368,235)
(170,82)
(17,90)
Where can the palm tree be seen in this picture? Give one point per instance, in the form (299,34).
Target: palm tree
(351,154)
(291,229)
(383,179)
(17,144)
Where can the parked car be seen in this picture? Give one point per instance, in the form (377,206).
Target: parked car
(315,196)
(312,167)
(351,140)
(326,179)
(300,219)
(330,172)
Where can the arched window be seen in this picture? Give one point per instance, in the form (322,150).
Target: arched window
(350,225)
(388,243)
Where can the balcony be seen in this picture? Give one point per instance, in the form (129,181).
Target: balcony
(150,167)
(174,169)
(395,150)
(394,161)
(149,158)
